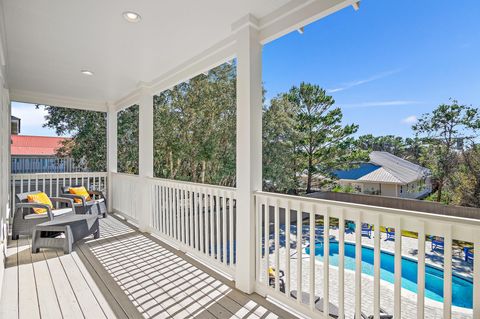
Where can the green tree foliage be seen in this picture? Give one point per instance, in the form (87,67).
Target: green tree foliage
(468,189)
(303,133)
(88,130)
(195,129)
(443,129)
(411,149)
(324,143)
(127,140)
(281,162)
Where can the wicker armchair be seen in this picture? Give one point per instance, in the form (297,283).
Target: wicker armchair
(25,219)
(96,206)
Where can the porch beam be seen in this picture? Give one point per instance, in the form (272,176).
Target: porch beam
(249,150)
(55,100)
(297,14)
(111,150)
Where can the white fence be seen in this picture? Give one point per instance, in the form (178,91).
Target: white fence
(199,218)
(127,195)
(202,220)
(280,216)
(52,183)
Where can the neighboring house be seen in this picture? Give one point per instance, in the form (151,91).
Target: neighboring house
(37,154)
(14,125)
(387,175)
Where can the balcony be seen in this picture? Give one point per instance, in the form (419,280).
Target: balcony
(177,249)
(188,238)
(124,274)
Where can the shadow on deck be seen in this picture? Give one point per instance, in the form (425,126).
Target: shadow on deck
(124,274)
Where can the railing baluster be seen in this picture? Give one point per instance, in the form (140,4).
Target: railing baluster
(421,272)
(376,267)
(326,260)
(277,244)
(447,273)
(212,222)
(299,251)
(218,245)
(341,265)
(476,275)
(266,242)
(358,266)
(258,241)
(224,226)
(287,247)
(232,223)
(398,270)
(312,246)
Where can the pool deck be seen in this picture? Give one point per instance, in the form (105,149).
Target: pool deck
(433,309)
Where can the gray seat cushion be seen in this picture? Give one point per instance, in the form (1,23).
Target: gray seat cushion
(55,212)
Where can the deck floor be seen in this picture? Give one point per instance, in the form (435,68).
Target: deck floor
(124,274)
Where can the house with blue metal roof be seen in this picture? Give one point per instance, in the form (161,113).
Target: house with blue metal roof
(387,175)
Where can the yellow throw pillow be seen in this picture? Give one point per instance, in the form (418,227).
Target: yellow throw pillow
(82,191)
(40,198)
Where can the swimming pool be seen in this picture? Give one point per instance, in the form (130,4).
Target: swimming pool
(462,289)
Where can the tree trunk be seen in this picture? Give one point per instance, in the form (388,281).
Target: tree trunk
(204,167)
(439,191)
(309,177)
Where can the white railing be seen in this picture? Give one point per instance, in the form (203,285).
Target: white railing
(127,195)
(319,220)
(52,183)
(198,218)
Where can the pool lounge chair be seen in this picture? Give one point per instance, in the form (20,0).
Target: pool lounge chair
(468,254)
(367,230)
(25,219)
(383,315)
(271,278)
(437,242)
(390,233)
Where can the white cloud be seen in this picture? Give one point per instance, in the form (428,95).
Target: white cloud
(351,84)
(380,103)
(412,119)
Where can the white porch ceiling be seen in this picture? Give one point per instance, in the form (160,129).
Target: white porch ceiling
(49,41)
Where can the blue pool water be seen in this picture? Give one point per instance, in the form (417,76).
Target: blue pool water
(462,289)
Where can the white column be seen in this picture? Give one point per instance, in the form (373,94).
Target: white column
(111,151)
(145,160)
(249,150)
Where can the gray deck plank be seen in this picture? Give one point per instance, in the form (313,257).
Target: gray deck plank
(85,298)
(66,296)
(47,297)
(129,274)
(27,290)
(109,286)
(9,300)
(96,290)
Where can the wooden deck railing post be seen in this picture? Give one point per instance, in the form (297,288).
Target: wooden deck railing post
(249,147)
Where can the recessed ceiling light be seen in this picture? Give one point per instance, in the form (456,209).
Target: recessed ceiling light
(86,72)
(131,16)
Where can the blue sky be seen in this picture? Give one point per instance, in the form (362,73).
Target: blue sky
(385,64)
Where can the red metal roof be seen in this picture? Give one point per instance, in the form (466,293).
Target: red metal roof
(35,145)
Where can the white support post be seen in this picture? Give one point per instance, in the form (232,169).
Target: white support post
(249,149)
(145,160)
(111,151)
